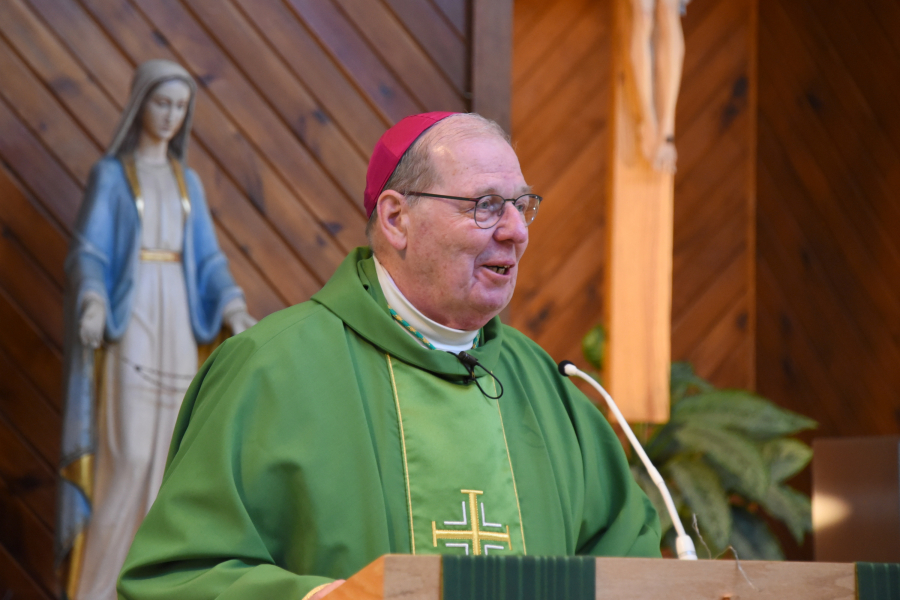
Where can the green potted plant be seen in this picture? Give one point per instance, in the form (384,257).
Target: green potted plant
(725,455)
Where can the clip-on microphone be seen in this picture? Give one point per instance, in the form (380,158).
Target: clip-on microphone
(470,362)
(684,545)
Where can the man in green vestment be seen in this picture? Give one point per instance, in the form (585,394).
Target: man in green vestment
(393,412)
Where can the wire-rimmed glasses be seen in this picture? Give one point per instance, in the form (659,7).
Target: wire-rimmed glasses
(489,208)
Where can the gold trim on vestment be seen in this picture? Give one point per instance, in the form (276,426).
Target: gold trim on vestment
(74,563)
(177,170)
(412,533)
(511,471)
(159,255)
(134,183)
(81,472)
(182,188)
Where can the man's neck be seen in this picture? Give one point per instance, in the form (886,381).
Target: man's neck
(441,336)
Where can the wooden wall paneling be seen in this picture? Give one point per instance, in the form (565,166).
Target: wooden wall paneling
(491,59)
(560,310)
(792,361)
(700,219)
(847,114)
(37,420)
(441,42)
(711,301)
(31,351)
(15,581)
(544,138)
(713,307)
(848,229)
(556,52)
(560,84)
(711,34)
(805,277)
(456,12)
(536,41)
(844,181)
(33,228)
(299,111)
(563,227)
(30,288)
(393,43)
(859,39)
(27,503)
(354,55)
(26,475)
(27,539)
(37,108)
(24,31)
(720,344)
(45,179)
(528,17)
(363,121)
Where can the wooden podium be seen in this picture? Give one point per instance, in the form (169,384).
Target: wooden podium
(408,577)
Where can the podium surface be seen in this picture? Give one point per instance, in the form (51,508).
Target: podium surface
(421,578)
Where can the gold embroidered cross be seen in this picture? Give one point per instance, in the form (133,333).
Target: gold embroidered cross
(476,535)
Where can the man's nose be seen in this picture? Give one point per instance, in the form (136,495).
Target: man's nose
(511,225)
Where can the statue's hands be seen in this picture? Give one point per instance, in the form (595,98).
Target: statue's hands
(240,321)
(236,316)
(327,589)
(92,322)
(666,157)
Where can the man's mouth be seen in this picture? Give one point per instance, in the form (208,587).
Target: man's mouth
(501,270)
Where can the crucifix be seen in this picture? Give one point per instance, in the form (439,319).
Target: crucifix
(647,59)
(476,535)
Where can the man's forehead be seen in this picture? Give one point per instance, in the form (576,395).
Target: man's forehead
(485,160)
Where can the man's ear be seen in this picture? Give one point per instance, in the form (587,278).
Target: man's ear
(393,218)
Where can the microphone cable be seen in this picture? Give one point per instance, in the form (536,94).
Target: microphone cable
(470,363)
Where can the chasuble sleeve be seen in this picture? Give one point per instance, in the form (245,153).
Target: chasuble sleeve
(229,520)
(624,523)
(604,510)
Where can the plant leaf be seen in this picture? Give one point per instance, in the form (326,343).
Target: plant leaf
(593,346)
(703,493)
(740,411)
(643,479)
(737,460)
(684,382)
(792,507)
(751,537)
(785,457)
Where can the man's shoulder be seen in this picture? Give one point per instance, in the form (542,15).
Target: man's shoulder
(284,327)
(517,342)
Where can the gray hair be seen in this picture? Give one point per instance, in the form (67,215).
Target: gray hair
(415,171)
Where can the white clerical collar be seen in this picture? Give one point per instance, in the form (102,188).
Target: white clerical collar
(441,336)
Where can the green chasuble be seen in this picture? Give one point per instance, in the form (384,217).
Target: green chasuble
(326,436)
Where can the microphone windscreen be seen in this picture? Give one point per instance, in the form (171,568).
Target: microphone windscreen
(562,367)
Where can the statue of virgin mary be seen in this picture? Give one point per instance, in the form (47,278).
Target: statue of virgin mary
(147,283)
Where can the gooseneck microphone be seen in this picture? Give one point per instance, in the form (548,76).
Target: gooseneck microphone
(684,545)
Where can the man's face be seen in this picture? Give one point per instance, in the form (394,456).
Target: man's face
(450,268)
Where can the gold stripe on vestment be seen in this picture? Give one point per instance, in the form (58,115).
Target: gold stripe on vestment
(157,255)
(412,533)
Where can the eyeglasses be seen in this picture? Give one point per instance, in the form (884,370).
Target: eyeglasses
(489,208)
